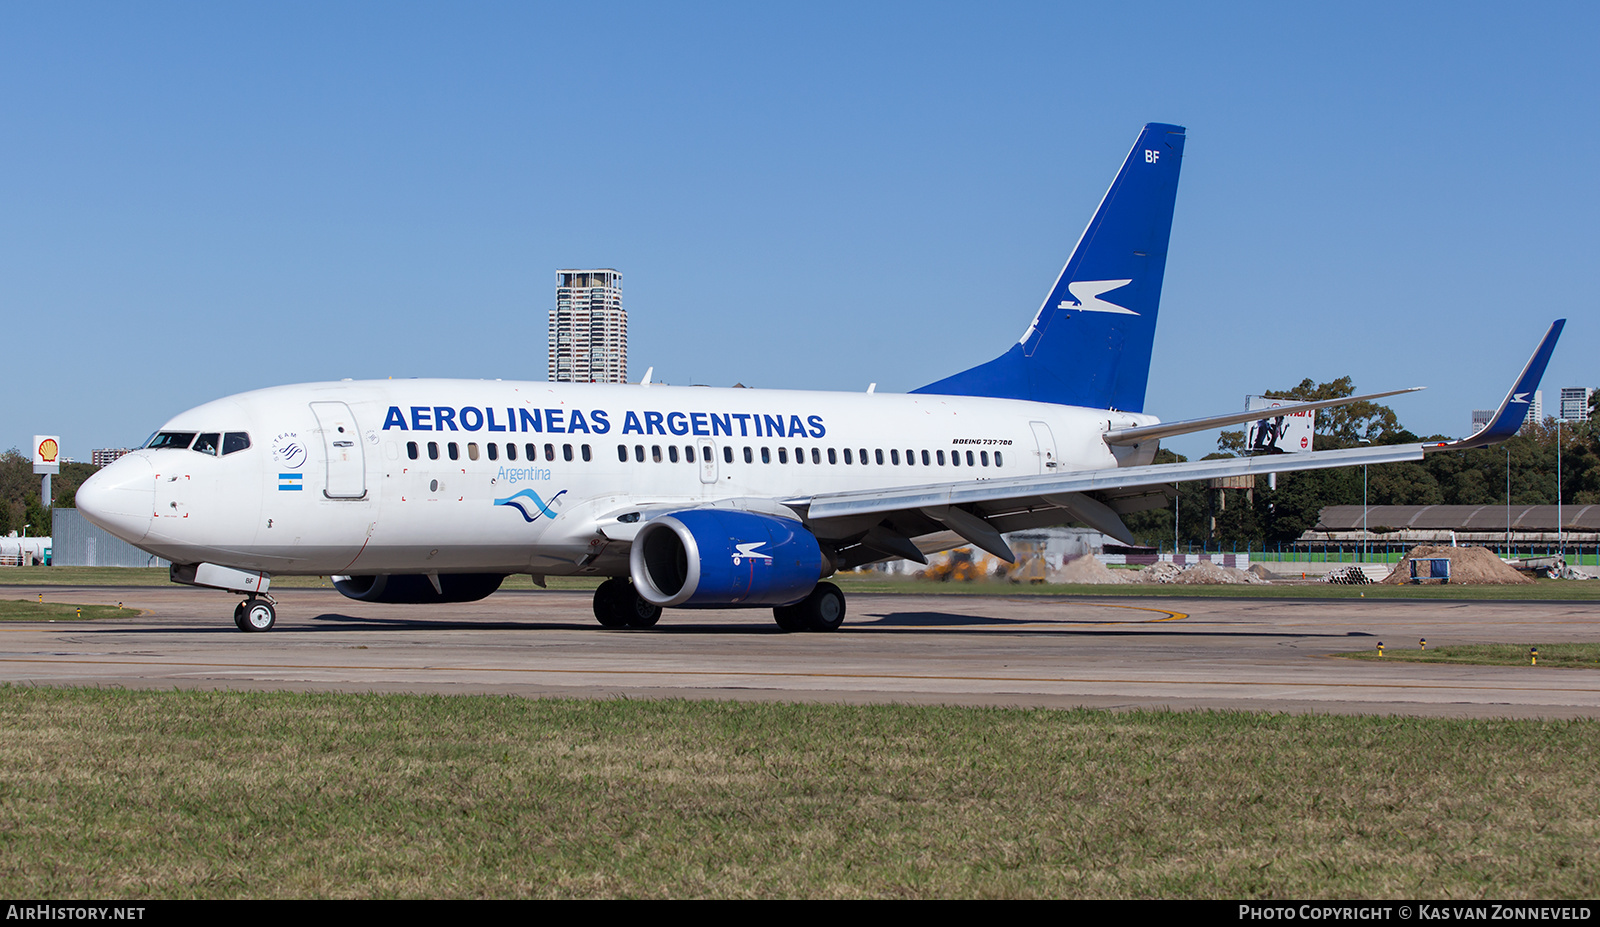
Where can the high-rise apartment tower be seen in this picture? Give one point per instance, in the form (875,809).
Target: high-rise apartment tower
(588,328)
(1575,403)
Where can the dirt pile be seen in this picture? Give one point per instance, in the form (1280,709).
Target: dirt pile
(1088,569)
(1474,565)
(1203,573)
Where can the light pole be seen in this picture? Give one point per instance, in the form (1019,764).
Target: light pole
(1561,544)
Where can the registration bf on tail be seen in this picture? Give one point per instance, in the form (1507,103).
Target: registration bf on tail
(433,491)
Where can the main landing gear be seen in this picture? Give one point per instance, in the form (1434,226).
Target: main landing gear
(822,610)
(618,605)
(255,614)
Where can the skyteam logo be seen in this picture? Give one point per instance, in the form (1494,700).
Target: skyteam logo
(742,552)
(520,501)
(288,451)
(1086,296)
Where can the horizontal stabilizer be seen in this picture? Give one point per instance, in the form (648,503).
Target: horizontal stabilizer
(1126,436)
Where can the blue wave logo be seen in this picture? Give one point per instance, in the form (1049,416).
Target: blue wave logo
(539,504)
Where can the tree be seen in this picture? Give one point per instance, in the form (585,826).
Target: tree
(36,517)
(1347,425)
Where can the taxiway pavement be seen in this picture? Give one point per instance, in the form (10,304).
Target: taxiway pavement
(1024,650)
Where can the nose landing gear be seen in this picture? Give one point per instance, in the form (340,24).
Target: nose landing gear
(255,614)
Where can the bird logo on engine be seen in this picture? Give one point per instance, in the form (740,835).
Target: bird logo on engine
(748,551)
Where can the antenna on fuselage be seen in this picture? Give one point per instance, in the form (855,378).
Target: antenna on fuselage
(871,388)
(645,380)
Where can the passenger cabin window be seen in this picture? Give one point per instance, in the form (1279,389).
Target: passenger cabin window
(511,452)
(455,450)
(433,450)
(494,451)
(234,441)
(727,453)
(411,449)
(165,440)
(208,443)
(472,450)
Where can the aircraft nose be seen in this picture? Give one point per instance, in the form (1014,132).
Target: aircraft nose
(121,497)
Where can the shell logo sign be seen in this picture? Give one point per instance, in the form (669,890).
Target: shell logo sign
(46,454)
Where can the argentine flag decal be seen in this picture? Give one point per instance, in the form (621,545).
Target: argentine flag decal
(289,482)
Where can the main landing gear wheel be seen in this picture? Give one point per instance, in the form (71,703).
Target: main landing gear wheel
(254,615)
(618,605)
(822,610)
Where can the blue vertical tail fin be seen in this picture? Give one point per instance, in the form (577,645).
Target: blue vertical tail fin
(1089,345)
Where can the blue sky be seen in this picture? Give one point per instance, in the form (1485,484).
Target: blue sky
(200,199)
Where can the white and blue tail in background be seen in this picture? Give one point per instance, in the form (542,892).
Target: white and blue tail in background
(1090,343)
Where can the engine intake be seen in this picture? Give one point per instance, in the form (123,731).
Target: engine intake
(714,558)
(413,589)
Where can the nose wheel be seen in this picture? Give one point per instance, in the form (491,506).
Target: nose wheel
(255,614)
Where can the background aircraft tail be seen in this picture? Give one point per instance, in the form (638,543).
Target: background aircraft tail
(1090,343)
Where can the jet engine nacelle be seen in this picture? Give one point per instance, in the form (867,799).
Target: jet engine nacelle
(411,589)
(715,558)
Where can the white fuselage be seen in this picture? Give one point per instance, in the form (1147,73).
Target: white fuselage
(522,477)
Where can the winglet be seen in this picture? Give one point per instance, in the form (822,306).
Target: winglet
(1514,408)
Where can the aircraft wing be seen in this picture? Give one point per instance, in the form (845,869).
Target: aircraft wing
(909,522)
(889,521)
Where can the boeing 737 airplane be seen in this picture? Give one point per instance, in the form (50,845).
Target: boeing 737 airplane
(433,491)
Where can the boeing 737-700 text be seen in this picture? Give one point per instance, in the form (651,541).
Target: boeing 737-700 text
(430,491)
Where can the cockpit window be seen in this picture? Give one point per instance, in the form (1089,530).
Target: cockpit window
(207,443)
(234,441)
(170,439)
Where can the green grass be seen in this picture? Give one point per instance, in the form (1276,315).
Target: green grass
(225,795)
(1573,656)
(24,610)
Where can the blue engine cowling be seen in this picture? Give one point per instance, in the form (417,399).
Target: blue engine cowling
(716,558)
(412,589)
